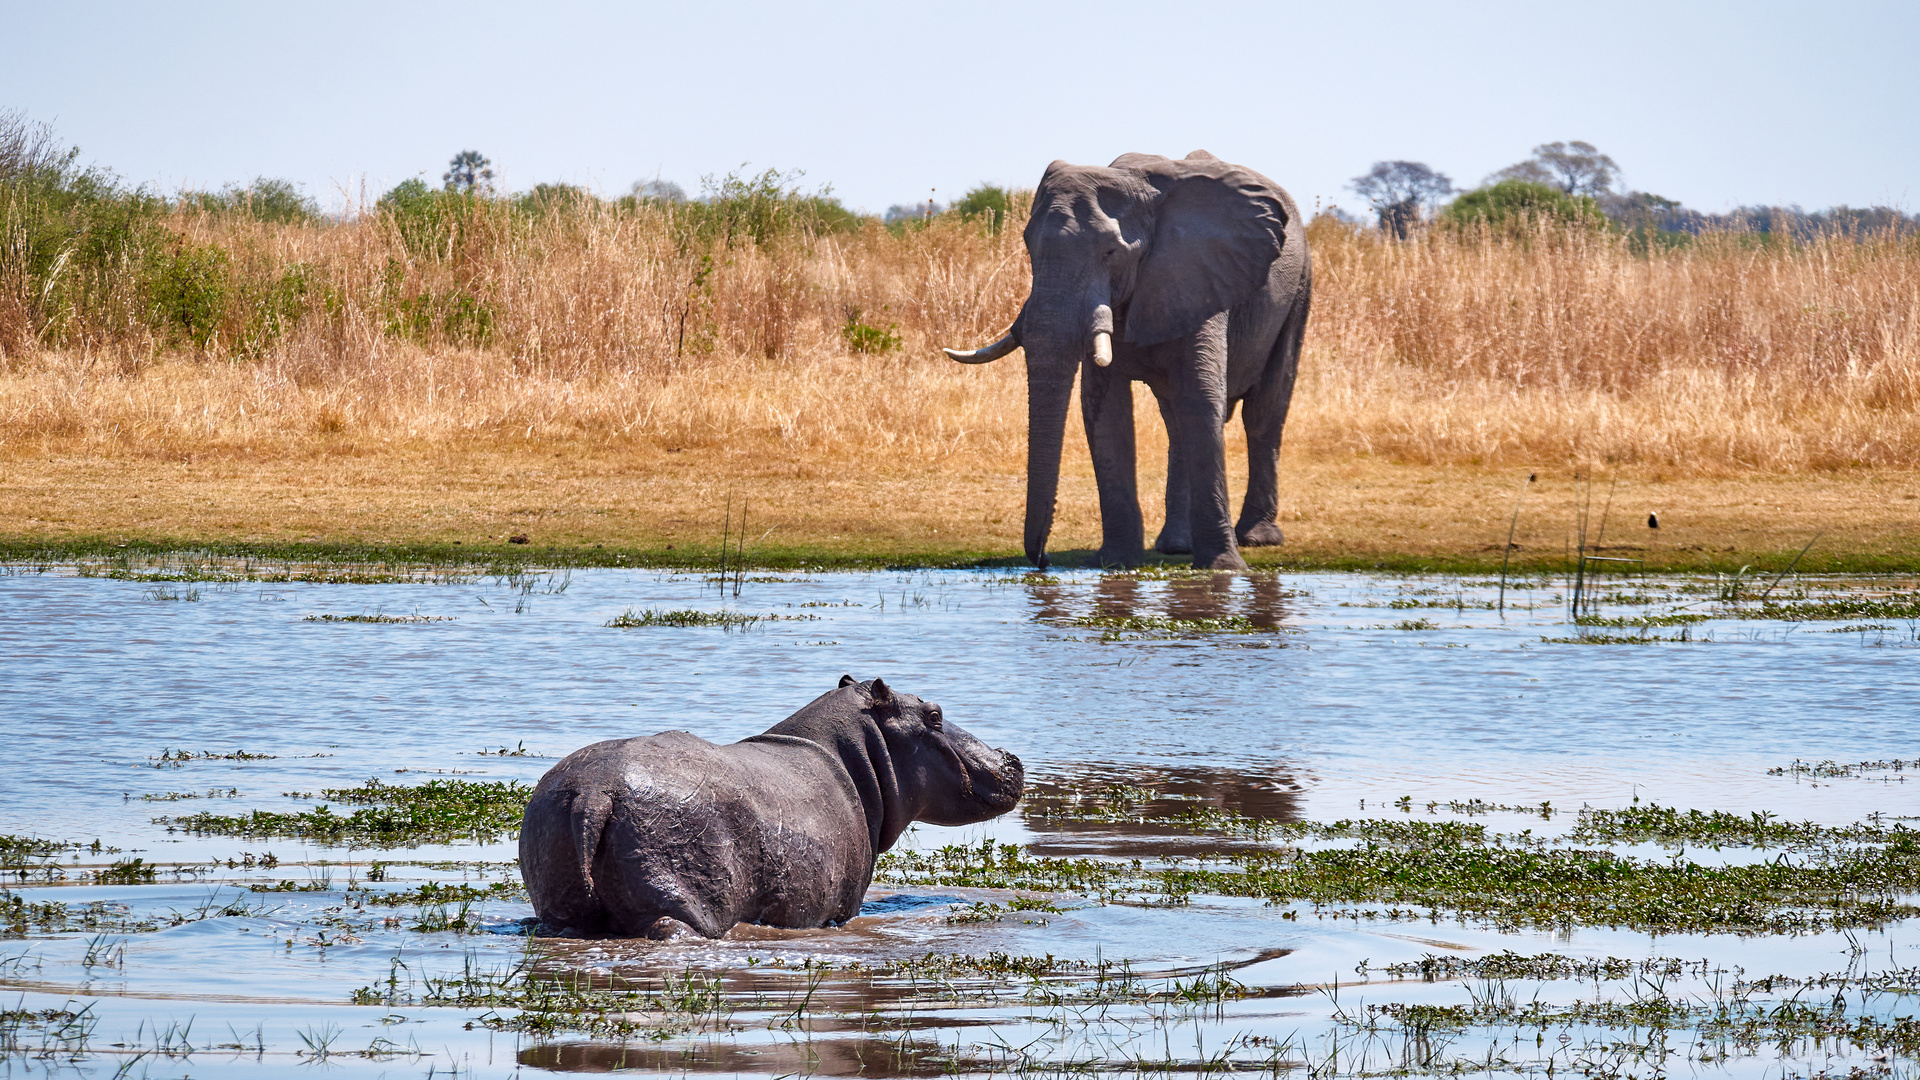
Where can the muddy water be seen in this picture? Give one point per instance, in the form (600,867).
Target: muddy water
(1335,697)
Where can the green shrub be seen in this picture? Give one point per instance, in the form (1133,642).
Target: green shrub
(428,219)
(863,337)
(990,204)
(266,199)
(1517,205)
(187,290)
(762,208)
(545,199)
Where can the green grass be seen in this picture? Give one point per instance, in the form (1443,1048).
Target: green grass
(436,812)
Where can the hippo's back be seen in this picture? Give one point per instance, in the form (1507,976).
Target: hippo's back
(623,833)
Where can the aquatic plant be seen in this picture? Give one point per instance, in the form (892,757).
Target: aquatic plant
(726,620)
(438,811)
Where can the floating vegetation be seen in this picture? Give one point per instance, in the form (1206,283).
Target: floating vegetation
(177,796)
(17,852)
(726,620)
(1416,624)
(519,750)
(1717,829)
(436,812)
(20,916)
(1476,807)
(1832,769)
(1500,886)
(170,758)
(168,592)
(985,911)
(1123,627)
(1833,609)
(1685,634)
(1642,621)
(379,618)
(135,871)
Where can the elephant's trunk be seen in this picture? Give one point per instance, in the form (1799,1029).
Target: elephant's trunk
(1048,388)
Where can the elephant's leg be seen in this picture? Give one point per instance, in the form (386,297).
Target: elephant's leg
(1174,534)
(1198,387)
(1106,403)
(1265,415)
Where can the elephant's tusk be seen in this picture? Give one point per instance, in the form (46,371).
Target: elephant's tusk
(983,355)
(1102,348)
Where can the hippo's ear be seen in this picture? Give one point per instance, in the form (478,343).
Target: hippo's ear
(883,696)
(846,680)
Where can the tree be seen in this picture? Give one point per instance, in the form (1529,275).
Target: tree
(1517,205)
(1402,193)
(468,169)
(1577,168)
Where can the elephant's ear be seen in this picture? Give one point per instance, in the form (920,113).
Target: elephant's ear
(1216,229)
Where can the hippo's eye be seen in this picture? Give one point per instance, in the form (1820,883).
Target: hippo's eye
(933,720)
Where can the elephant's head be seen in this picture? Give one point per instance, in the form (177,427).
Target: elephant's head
(1148,249)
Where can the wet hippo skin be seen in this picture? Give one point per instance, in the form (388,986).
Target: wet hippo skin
(639,837)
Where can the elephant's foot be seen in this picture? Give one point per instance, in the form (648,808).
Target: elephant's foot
(1226,560)
(1120,557)
(1171,543)
(1262,534)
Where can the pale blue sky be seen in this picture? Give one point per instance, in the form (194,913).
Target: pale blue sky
(1714,104)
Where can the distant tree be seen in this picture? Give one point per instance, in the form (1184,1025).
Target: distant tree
(907,212)
(1577,168)
(658,190)
(990,203)
(468,169)
(1517,204)
(1402,193)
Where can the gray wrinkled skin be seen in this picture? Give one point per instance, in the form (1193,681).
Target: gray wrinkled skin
(638,837)
(1199,271)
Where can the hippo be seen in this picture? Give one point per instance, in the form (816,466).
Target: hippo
(653,836)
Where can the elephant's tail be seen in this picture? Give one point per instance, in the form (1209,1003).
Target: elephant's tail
(591,809)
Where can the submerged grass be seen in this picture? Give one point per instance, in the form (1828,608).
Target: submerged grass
(436,812)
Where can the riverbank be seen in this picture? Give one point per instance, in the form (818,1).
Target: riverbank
(577,504)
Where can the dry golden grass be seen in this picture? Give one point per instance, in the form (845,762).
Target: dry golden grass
(628,382)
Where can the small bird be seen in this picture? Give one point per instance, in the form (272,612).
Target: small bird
(1653,521)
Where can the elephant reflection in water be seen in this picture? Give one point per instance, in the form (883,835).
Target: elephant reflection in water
(1193,277)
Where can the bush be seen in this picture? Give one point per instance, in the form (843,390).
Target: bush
(545,199)
(989,204)
(862,337)
(428,219)
(266,199)
(187,291)
(1517,205)
(761,208)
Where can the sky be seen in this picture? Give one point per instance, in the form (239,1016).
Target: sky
(1717,105)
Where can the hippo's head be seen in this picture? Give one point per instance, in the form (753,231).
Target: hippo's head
(906,762)
(946,776)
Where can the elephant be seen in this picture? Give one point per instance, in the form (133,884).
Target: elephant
(660,835)
(1191,276)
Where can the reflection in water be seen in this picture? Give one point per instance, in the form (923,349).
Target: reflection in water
(874,1055)
(1260,598)
(1153,791)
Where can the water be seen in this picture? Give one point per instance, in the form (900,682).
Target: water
(1339,703)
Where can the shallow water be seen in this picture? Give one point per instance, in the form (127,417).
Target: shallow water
(1337,703)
